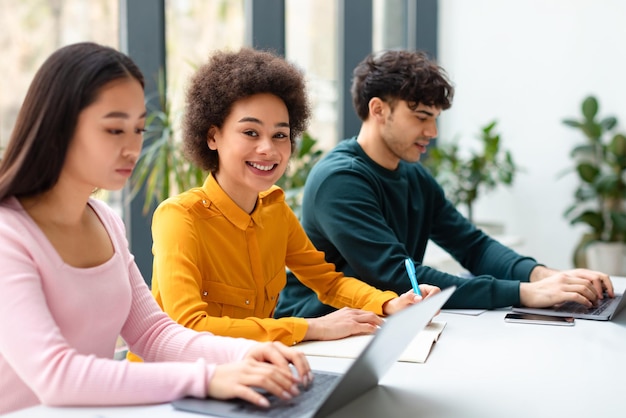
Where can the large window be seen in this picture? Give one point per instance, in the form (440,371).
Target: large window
(32,30)
(311,42)
(194,29)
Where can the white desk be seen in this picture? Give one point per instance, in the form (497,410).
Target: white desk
(481,367)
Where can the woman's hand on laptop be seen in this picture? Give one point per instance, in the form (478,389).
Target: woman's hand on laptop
(579,285)
(409,298)
(266,366)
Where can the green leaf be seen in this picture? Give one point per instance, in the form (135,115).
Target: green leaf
(619,223)
(584,151)
(590,108)
(306,143)
(593,219)
(587,172)
(606,185)
(617,146)
(572,123)
(608,123)
(592,130)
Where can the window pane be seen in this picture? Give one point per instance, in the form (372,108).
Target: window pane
(311,38)
(390,24)
(32,30)
(195,28)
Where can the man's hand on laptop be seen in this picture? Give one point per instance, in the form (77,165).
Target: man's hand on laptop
(266,367)
(550,287)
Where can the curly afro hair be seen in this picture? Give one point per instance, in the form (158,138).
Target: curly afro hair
(228,77)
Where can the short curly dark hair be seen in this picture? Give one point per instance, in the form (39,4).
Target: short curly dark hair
(400,75)
(228,77)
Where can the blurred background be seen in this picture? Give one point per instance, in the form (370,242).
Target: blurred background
(527,64)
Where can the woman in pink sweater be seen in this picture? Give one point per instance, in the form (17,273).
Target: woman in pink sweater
(69,285)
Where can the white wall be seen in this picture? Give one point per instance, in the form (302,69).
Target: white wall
(529,64)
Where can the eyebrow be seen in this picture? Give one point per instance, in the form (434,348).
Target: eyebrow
(425,112)
(121,115)
(255,120)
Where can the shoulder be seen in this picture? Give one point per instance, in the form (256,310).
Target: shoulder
(10,208)
(274,206)
(273,195)
(343,155)
(274,203)
(342,163)
(193,201)
(112,220)
(15,224)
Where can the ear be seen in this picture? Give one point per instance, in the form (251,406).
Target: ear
(210,137)
(378,109)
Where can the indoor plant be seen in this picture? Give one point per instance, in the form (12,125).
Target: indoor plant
(600,164)
(463,175)
(302,161)
(162,170)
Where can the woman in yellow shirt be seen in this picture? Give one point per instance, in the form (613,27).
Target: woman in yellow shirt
(220,250)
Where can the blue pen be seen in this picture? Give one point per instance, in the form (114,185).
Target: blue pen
(410,269)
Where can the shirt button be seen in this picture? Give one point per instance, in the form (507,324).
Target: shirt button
(205,293)
(247,302)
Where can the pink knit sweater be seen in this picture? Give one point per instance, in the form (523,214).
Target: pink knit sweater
(59,325)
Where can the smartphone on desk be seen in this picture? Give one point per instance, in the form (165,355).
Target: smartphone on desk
(526,318)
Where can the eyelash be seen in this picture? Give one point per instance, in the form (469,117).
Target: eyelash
(278,135)
(121,131)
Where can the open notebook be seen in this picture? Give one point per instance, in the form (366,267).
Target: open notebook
(416,352)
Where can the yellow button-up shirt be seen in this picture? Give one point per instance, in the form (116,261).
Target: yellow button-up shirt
(220,269)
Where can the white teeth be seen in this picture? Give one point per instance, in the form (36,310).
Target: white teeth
(262,167)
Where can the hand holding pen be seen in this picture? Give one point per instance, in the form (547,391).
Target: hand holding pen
(410,269)
(410,297)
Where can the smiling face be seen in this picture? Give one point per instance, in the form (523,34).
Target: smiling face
(108,137)
(404,132)
(253,147)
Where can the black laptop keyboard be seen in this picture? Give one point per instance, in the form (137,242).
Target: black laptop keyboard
(301,405)
(577,308)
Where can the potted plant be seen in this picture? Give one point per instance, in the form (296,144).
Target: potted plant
(464,175)
(600,164)
(305,156)
(162,170)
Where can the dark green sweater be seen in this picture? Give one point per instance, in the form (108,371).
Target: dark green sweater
(368,220)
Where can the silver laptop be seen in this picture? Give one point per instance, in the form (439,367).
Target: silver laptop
(605,310)
(331,391)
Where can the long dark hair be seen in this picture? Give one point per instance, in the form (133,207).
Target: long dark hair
(67,82)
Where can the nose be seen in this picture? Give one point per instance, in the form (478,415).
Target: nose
(430,131)
(133,147)
(266,146)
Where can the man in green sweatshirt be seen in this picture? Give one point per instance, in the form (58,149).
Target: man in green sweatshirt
(369,205)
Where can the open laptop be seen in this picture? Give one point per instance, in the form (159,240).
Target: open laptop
(331,391)
(606,309)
